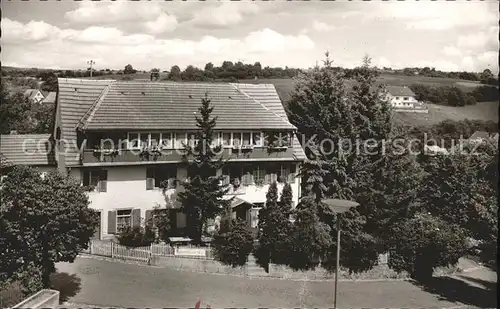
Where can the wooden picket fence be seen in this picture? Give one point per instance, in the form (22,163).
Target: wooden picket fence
(144,254)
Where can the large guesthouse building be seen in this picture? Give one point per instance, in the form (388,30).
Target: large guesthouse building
(124,140)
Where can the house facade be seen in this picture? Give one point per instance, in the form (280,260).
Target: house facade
(401,97)
(34,95)
(124,140)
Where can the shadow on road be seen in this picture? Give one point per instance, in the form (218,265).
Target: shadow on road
(67,285)
(456,290)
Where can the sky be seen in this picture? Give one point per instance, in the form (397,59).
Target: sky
(449,36)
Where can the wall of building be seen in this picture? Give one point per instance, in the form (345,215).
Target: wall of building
(126,188)
(399,101)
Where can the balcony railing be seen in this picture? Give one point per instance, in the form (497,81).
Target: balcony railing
(130,156)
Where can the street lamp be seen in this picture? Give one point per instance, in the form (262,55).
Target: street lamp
(339,207)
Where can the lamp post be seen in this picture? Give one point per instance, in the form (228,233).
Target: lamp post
(339,207)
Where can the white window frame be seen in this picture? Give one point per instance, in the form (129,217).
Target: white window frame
(178,134)
(119,229)
(261,142)
(129,144)
(150,140)
(230,139)
(171,134)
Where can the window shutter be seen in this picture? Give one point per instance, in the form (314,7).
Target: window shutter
(86,178)
(103,186)
(111,222)
(149,217)
(136,217)
(150,183)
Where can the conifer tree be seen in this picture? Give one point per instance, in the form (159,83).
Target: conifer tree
(202,198)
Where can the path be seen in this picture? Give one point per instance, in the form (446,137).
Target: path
(107,283)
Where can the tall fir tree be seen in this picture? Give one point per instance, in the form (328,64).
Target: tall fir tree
(202,197)
(332,121)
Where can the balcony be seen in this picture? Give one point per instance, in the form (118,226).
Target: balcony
(95,157)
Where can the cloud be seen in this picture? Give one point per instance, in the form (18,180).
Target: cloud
(451,51)
(225,14)
(383,62)
(427,15)
(321,26)
(112,48)
(151,17)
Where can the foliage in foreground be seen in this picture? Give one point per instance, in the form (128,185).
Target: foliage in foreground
(424,242)
(42,221)
(274,228)
(233,241)
(202,197)
(136,237)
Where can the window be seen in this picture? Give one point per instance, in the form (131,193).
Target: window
(154,140)
(246,139)
(277,139)
(226,139)
(405,98)
(236,139)
(215,140)
(144,137)
(181,220)
(96,178)
(133,140)
(192,141)
(159,174)
(180,139)
(256,139)
(166,140)
(123,219)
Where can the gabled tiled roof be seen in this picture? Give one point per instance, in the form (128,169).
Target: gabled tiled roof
(115,105)
(400,91)
(76,96)
(26,149)
(137,105)
(267,95)
(30,93)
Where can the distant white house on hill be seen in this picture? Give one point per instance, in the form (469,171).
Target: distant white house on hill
(403,99)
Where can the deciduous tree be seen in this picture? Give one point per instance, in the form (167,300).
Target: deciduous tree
(43,221)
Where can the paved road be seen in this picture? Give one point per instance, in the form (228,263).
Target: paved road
(107,283)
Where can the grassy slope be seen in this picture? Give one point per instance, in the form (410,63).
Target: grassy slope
(437,113)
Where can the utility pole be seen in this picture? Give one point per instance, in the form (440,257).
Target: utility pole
(91,62)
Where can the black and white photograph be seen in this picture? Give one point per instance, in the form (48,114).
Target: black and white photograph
(249,154)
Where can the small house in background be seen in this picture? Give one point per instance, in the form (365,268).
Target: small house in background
(34,95)
(403,99)
(401,96)
(482,136)
(50,98)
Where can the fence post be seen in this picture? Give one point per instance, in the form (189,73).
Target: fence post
(150,253)
(112,247)
(90,246)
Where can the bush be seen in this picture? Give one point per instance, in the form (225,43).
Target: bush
(456,97)
(233,244)
(485,94)
(136,237)
(420,244)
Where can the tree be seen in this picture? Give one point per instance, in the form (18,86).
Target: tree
(15,113)
(468,197)
(175,73)
(129,69)
(456,97)
(43,221)
(311,237)
(49,82)
(274,228)
(424,242)
(209,66)
(233,242)
(485,76)
(202,198)
(333,120)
